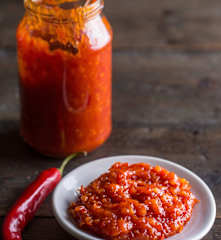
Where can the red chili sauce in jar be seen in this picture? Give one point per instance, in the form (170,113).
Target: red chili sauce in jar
(136,201)
(64,58)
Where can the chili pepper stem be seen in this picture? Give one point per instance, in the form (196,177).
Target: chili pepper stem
(67,160)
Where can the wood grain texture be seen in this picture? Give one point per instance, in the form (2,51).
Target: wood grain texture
(167,104)
(166,97)
(163,87)
(192,24)
(178,144)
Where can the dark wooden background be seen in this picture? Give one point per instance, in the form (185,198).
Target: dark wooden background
(166,97)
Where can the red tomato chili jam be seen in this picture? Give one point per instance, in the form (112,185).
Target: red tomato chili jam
(64,58)
(136,201)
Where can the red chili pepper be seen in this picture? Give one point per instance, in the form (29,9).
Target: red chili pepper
(28,203)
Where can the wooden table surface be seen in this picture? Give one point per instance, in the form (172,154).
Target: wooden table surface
(166,97)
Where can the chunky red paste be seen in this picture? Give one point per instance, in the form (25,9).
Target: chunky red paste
(136,201)
(65,78)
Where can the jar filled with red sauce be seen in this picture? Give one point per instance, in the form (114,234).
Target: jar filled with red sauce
(65,64)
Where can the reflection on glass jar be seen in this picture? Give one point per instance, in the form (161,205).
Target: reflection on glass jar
(64,58)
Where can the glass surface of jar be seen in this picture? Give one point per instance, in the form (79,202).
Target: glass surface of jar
(65,65)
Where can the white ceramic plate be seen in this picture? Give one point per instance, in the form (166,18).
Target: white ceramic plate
(203,214)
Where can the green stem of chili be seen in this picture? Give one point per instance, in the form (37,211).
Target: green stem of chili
(67,160)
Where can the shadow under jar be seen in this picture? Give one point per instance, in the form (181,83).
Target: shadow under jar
(65,65)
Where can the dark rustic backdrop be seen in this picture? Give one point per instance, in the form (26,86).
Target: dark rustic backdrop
(166,97)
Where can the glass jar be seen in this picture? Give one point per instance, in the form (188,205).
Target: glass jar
(65,65)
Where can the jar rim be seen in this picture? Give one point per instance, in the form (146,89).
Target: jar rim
(48,10)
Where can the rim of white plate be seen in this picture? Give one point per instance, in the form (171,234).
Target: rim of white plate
(69,226)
